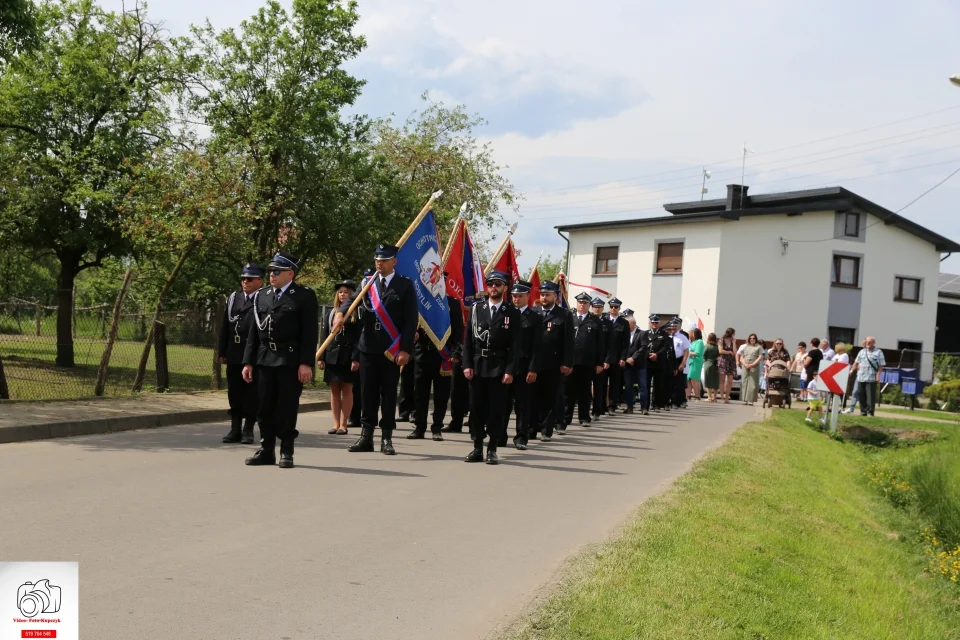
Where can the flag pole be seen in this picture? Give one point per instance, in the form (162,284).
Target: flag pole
(499,251)
(363,290)
(536,264)
(453,234)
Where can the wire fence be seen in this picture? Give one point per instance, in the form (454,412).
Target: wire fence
(29,345)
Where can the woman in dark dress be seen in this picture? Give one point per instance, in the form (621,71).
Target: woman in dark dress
(711,373)
(339,369)
(727,363)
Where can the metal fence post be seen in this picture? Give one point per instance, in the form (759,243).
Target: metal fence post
(160,356)
(39,319)
(4,389)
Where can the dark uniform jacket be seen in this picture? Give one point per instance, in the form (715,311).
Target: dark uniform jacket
(289,334)
(343,348)
(662,345)
(400,302)
(531,341)
(558,339)
(638,348)
(454,343)
(492,345)
(619,337)
(588,337)
(230,330)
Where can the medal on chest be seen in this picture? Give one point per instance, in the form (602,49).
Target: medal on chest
(549,325)
(506,321)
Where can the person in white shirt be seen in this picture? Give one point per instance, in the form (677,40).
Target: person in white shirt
(828,353)
(681,348)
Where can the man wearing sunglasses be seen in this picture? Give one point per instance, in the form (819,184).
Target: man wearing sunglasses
(234,330)
(282,345)
(491,353)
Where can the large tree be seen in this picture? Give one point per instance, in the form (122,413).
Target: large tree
(18,27)
(76,112)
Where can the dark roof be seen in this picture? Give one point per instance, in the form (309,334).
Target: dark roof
(785,203)
(949,286)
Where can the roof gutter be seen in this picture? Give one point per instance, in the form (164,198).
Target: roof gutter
(566,265)
(949,253)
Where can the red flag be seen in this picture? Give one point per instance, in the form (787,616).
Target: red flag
(535,286)
(507,262)
(465,277)
(699,323)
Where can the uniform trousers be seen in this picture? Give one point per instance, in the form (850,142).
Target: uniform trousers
(600,381)
(578,392)
(459,398)
(548,401)
(243,398)
(679,388)
(633,376)
(280,390)
(378,384)
(427,373)
(616,384)
(355,412)
(662,383)
(487,397)
(405,398)
(523,402)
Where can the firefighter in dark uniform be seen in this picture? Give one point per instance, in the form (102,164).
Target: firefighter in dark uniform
(587,362)
(556,362)
(659,357)
(379,373)
(406,400)
(357,395)
(491,354)
(459,395)
(601,380)
(237,318)
(282,345)
(427,372)
(619,334)
(636,361)
(528,363)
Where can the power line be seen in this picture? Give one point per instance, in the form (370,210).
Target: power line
(764,153)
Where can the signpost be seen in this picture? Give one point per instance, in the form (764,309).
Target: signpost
(832,378)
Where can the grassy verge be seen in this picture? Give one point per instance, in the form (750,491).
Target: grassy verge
(775,535)
(921,413)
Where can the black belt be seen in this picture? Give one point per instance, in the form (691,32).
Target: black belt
(492,353)
(280,346)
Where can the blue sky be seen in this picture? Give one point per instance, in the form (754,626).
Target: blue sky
(608,109)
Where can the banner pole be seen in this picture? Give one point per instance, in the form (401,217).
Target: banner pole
(499,251)
(535,265)
(453,234)
(363,290)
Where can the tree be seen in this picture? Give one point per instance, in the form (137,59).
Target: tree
(18,27)
(76,112)
(436,148)
(549,268)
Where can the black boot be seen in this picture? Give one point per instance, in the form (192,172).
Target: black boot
(234,436)
(386,444)
(247,437)
(364,443)
(492,457)
(477,454)
(286,453)
(262,457)
(455,426)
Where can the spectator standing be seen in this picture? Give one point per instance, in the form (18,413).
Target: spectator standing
(811,363)
(695,363)
(854,395)
(797,368)
(828,353)
(868,367)
(752,360)
(727,363)
(711,371)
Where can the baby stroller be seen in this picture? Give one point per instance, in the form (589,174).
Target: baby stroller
(778,384)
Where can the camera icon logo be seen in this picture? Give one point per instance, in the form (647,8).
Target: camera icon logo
(34,598)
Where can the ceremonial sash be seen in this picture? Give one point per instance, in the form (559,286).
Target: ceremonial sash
(385,321)
(446,365)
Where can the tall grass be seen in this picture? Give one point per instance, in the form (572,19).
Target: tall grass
(935,478)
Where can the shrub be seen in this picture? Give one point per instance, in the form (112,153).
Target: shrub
(946,394)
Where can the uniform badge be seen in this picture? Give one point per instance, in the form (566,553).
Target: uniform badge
(506,321)
(549,324)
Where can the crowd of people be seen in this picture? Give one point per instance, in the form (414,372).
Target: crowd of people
(508,355)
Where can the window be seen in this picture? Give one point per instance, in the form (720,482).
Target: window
(906,289)
(606,261)
(851,225)
(842,334)
(846,271)
(909,356)
(670,257)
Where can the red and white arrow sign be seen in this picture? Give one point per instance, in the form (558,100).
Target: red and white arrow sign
(833,377)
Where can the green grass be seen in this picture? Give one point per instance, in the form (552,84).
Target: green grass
(31,374)
(777,534)
(921,413)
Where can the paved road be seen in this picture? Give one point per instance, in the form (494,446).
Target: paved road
(176,538)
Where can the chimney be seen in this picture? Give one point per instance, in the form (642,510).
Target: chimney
(737,196)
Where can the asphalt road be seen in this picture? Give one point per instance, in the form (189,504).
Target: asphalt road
(176,538)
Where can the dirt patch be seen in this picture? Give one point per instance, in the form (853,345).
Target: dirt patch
(881,435)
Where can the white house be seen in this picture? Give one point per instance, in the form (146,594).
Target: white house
(819,262)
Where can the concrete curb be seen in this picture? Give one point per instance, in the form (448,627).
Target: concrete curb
(45,431)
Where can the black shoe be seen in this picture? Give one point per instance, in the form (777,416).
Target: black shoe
(262,458)
(364,443)
(452,429)
(403,417)
(386,447)
(475,456)
(247,435)
(628,410)
(415,435)
(286,461)
(437,436)
(562,432)
(502,442)
(521,446)
(545,438)
(492,457)
(235,435)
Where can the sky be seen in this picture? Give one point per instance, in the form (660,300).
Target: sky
(609,109)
